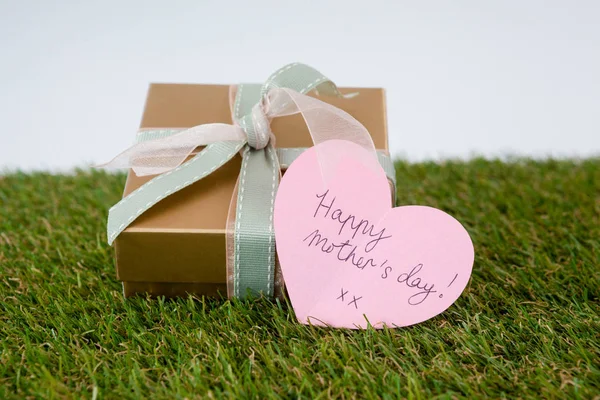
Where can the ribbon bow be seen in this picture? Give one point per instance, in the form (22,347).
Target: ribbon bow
(251,261)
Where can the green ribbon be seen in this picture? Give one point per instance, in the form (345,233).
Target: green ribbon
(254,257)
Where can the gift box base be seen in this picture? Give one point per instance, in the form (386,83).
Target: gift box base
(172,289)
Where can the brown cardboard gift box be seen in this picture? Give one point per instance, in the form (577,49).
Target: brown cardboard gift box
(178,246)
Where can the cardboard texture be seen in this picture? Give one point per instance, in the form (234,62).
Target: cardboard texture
(178,246)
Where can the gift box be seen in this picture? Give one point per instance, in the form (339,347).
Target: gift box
(179,245)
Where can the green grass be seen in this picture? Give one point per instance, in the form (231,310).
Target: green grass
(528,324)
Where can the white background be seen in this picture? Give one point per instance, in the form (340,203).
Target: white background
(463,78)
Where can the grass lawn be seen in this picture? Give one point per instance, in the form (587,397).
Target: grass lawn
(528,324)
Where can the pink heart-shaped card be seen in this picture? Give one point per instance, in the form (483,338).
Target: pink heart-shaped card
(349,259)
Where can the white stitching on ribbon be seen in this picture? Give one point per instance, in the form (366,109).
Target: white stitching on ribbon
(236,289)
(270,265)
(269,82)
(238,96)
(282,70)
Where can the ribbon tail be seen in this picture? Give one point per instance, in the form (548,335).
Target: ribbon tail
(137,202)
(159,151)
(325,122)
(287,156)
